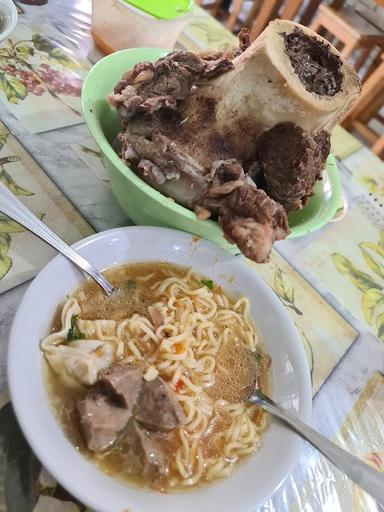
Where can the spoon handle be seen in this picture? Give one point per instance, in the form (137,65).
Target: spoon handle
(366,477)
(11,206)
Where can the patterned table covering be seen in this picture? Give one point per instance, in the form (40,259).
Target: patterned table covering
(49,160)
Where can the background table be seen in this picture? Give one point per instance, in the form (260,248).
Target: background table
(342,339)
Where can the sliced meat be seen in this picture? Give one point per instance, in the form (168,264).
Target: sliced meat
(146,454)
(291,160)
(158,407)
(101,420)
(156,316)
(123,381)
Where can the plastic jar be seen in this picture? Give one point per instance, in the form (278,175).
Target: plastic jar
(117,25)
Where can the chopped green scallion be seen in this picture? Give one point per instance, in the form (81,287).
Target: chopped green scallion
(208,283)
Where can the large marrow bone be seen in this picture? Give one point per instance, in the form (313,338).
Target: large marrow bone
(263,89)
(241,136)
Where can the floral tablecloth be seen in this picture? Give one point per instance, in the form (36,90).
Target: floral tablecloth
(336,274)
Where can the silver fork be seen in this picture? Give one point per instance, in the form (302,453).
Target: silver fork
(11,206)
(366,477)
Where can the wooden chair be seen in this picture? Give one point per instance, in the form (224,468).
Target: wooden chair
(260,14)
(233,17)
(227,12)
(212,7)
(351,30)
(271,9)
(367,108)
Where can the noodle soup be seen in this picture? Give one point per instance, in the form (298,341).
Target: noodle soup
(149,383)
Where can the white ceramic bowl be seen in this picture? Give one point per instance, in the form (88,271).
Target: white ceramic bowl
(8,14)
(258,476)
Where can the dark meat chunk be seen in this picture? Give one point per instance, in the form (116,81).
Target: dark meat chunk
(101,420)
(249,201)
(120,86)
(149,87)
(216,67)
(226,170)
(291,161)
(123,381)
(250,219)
(158,407)
(226,176)
(146,454)
(316,66)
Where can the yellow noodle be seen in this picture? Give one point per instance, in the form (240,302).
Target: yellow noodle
(197,321)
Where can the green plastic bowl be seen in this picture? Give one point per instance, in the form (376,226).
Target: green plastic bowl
(146,206)
(169,10)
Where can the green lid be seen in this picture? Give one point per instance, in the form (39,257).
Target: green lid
(165,9)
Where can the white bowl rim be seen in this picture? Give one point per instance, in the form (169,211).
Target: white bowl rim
(50,462)
(11,19)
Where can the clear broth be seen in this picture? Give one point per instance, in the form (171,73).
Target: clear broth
(124,302)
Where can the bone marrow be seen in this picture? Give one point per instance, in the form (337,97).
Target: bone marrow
(316,66)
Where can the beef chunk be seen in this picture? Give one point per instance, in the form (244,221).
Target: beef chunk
(249,218)
(226,170)
(216,67)
(149,87)
(291,161)
(254,239)
(158,407)
(316,66)
(123,381)
(146,454)
(101,420)
(156,316)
